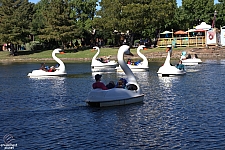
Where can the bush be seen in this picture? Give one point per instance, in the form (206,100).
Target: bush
(34,45)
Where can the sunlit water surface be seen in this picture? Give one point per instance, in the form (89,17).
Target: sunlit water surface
(185,112)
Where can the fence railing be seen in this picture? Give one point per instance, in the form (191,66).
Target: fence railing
(197,41)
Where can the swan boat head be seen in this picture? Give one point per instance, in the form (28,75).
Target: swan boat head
(60,70)
(118,96)
(168,70)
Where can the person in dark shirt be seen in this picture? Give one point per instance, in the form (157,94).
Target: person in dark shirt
(110,85)
(98,83)
(180,66)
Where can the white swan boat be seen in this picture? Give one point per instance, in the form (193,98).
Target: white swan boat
(118,96)
(167,70)
(60,71)
(98,65)
(190,61)
(142,66)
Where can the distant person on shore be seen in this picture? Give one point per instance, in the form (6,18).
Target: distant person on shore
(98,83)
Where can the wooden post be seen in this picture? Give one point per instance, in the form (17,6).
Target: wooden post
(205,39)
(188,37)
(196,41)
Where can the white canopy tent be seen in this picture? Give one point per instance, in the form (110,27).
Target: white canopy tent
(203,26)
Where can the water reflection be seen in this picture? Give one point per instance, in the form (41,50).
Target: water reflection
(184,112)
(103,70)
(194,68)
(49,87)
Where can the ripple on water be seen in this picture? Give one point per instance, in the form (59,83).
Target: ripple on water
(184,112)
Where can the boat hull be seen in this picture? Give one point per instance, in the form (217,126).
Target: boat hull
(41,73)
(169,71)
(191,62)
(113,97)
(134,68)
(132,100)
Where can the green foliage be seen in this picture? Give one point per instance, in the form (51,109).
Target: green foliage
(196,11)
(34,45)
(58,22)
(15,18)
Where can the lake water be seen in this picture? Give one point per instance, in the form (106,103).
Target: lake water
(185,112)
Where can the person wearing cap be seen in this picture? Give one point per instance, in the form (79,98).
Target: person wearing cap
(98,84)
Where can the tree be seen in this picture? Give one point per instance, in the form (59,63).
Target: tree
(137,16)
(57,24)
(220,17)
(15,19)
(196,10)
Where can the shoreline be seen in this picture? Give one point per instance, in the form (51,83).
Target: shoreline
(203,53)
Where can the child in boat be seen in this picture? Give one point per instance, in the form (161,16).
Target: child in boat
(110,85)
(129,61)
(121,83)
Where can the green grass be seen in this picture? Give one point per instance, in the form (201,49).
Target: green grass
(89,53)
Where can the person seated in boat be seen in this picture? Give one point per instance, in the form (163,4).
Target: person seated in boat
(183,57)
(103,60)
(189,56)
(121,83)
(52,69)
(100,59)
(196,56)
(108,58)
(180,66)
(137,62)
(43,67)
(98,84)
(132,87)
(110,85)
(129,61)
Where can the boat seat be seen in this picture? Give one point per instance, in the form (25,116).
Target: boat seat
(131,87)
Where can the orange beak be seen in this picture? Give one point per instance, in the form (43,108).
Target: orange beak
(145,48)
(92,50)
(62,53)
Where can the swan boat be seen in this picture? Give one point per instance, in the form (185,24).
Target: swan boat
(167,70)
(97,64)
(60,71)
(118,96)
(190,61)
(142,66)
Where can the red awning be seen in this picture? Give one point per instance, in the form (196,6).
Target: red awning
(180,32)
(199,30)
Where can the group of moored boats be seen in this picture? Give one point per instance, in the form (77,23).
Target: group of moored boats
(118,96)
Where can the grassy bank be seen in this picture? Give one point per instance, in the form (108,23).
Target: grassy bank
(69,55)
